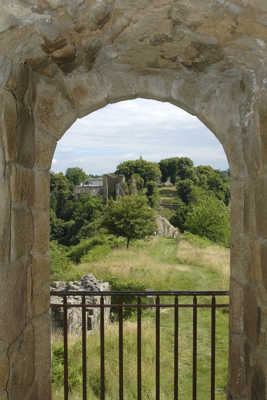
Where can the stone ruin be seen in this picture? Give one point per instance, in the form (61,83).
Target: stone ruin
(108,186)
(87,283)
(165,228)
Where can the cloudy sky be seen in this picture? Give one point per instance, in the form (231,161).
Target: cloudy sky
(133,128)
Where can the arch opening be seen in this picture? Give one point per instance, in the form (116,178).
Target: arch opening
(107,137)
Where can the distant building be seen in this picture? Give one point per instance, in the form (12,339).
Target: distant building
(108,186)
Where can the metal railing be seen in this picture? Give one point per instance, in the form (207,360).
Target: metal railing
(180,300)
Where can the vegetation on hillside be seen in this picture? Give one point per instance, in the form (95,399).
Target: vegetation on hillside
(191,263)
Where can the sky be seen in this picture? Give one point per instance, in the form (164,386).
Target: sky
(129,129)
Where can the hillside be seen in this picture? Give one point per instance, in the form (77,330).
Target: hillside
(161,264)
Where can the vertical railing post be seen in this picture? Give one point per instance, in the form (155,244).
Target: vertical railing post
(213,339)
(194,348)
(121,350)
(157,348)
(102,348)
(176,339)
(84,330)
(65,334)
(139,350)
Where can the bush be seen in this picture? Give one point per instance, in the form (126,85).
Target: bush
(60,263)
(85,245)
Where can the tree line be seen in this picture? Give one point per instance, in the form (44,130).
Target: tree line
(202,200)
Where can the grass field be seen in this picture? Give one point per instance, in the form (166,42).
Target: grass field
(161,264)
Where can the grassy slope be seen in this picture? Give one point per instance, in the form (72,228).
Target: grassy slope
(162,264)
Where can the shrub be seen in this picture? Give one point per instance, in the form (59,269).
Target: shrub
(60,263)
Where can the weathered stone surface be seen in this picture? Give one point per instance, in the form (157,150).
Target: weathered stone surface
(165,228)
(22,367)
(41,230)
(21,233)
(63,59)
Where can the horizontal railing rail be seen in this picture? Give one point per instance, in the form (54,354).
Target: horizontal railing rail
(180,300)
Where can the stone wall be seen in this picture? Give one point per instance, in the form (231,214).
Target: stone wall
(61,60)
(87,283)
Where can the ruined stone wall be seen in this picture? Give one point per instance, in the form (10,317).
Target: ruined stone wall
(88,283)
(61,60)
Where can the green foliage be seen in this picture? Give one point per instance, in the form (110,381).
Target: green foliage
(92,249)
(176,168)
(84,246)
(76,175)
(147,170)
(209,217)
(152,193)
(72,218)
(59,261)
(130,217)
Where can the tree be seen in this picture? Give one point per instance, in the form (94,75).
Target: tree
(148,170)
(209,217)
(130,217)
(76,175)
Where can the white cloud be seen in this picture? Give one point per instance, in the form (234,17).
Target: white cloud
(126,130)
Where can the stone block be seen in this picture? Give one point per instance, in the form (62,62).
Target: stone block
(41,223)
(87,91)
(42,333)
(41,190)
(22,185)
(4,371)
(21,233)
(22,364)
(54,112)
(45,146)
(8,125)
(255,266)
(237,298)
(3,395)
(40,284)
(261,206)
(5,205)
(251,315)
(14,302)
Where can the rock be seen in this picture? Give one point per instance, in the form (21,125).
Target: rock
(87,283)
(166,229)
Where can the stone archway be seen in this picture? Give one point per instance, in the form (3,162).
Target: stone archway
(59,62)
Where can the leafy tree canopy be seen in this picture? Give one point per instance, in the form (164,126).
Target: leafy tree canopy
(130,217)
(209,217)
(76,175)
(147,170)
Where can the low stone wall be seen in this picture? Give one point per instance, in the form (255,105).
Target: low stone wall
(88,283)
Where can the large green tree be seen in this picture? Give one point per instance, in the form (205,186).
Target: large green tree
(147,170)
(76,175)
(130,217)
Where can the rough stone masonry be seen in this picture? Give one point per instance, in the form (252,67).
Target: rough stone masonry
(61,60)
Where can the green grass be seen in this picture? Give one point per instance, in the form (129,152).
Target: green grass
(161,264)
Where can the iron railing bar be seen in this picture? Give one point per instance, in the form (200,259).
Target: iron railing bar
(157,348)
(140,293)
(176,343)
(102,349)
(139,351)
(84,368)
(194,348)
(213,340)
(65,334)
(121,351)
(181,305)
